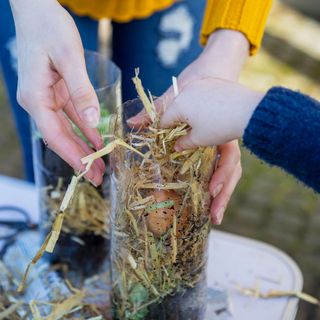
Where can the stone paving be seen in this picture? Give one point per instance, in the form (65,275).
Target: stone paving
(268,204)
(271,206)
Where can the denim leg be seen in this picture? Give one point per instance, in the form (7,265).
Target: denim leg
(8,59)
(161,46)
(88,29)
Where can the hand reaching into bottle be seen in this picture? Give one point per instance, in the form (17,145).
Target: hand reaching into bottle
(53,85)
(223,57)
(217,111)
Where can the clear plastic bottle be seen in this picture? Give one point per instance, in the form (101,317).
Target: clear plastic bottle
(84,240)
(160,225)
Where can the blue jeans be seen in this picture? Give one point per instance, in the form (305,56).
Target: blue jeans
(161,46)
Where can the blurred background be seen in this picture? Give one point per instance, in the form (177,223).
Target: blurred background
(268,205)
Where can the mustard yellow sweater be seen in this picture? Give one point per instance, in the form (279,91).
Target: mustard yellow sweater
(247,16)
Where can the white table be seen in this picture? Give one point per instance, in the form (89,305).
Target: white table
(232,260)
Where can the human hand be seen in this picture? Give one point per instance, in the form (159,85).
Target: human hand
(223,57)
(217,111)
(53,85)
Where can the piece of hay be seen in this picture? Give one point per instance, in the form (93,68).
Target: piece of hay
(59,310)
(10,310)
(161,220)
(149,106)
(271,294)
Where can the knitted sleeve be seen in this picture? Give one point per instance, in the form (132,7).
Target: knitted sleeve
(247,16)
(285,131)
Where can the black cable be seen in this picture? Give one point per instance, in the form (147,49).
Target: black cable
(16,226)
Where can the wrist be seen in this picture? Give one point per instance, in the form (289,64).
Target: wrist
(230,42)
(251,101)
(30,16)
(225,53)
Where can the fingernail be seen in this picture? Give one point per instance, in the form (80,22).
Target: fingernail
(100,144)
(134,118)
(131,121)
(91,116)
(178,148)
(137,120)
(219,214)
(217,190)
(91,181)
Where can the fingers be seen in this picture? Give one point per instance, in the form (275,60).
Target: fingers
(166,100)
(63,102)
(170,117)
(173,116)
(186,142)
(225,179)
(61,142)
(90,133)
(72,69)
(142,119)
(220,203)
(99,162)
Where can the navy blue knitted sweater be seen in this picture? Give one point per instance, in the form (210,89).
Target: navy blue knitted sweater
(285,131)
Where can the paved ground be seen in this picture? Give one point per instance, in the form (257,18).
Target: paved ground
(268,205)
(272,207)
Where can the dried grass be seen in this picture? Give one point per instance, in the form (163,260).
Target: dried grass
(161,222)
(151,262)
(77,303)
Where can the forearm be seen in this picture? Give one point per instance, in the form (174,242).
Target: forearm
(246,16)
(25,6)
(284,131)
(225,54)
(30,13)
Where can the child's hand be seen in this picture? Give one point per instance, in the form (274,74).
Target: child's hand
(217,111)
(53,85)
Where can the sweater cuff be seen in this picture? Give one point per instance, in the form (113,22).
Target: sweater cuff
(246,16)
(284,131)
(268,122)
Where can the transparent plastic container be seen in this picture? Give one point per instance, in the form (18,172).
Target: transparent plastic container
(160,225)
(84,240)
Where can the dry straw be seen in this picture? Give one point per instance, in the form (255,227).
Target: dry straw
(161,222)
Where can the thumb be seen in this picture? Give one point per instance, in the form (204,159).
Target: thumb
(139,120)
(142,118)
(185,142)
(81,91)
(170,117)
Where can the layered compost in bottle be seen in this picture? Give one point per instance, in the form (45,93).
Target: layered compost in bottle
(84,239)
(160,221)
